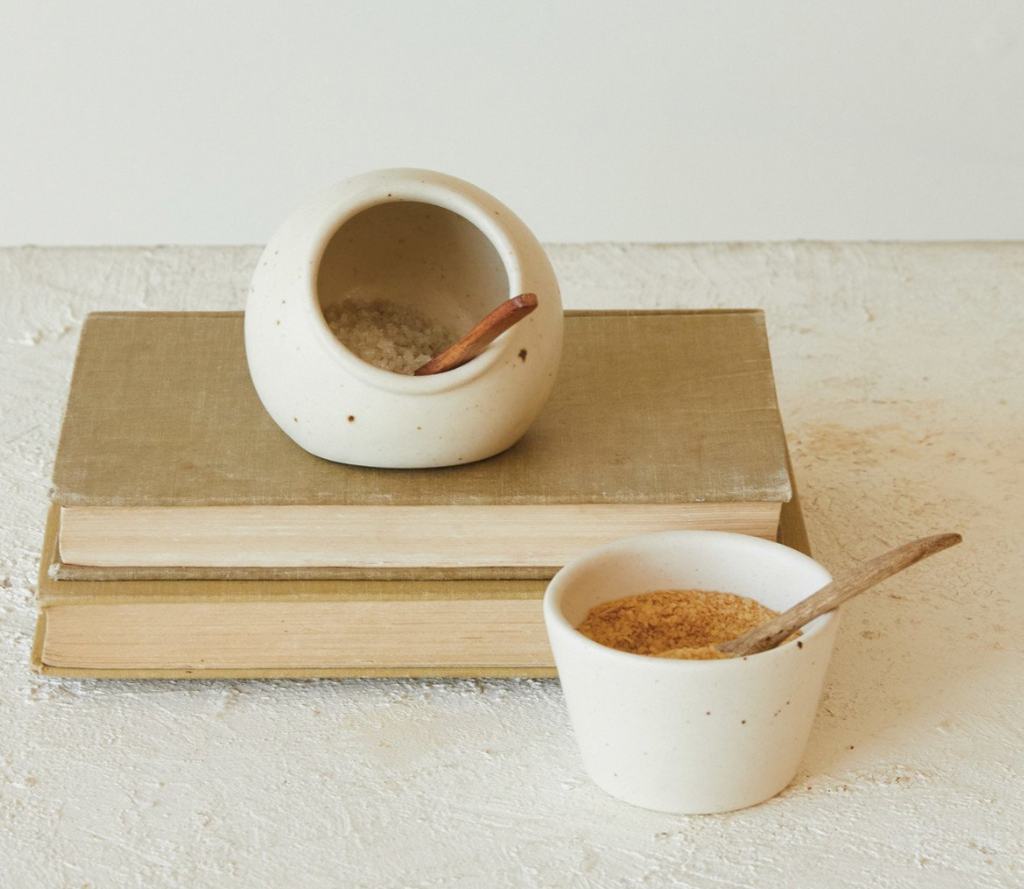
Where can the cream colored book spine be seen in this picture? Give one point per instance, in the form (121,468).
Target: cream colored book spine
(459,539)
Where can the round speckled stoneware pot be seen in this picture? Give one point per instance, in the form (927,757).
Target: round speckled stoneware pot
(429,242)
(691,737)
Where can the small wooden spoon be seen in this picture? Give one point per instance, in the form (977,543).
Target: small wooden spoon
(832,595)
(481,336)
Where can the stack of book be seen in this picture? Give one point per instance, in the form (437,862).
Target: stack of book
(188,536)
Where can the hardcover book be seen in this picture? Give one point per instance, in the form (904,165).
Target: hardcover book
(168,467)
(290,629)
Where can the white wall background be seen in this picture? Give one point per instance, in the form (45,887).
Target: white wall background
(206,122)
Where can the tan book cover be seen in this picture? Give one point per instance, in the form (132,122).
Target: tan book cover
(287,629)
(668,417)
(274,629)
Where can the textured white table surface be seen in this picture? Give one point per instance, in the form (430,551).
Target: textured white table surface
(901,380)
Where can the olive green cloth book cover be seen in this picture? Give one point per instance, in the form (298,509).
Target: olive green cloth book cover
(169,467)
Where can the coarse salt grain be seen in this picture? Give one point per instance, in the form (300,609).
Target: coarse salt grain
(387,335)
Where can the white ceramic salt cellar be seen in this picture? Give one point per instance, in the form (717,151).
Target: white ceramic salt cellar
(424,241)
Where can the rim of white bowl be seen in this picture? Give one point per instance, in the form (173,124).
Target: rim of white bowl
(449,194)
(554,614)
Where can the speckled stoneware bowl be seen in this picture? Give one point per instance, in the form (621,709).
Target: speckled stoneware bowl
(686,736)
(428,242)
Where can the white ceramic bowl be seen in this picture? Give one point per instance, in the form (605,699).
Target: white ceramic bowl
(431,242)
(689,736)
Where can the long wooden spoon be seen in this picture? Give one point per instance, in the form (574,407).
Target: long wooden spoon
(488,330)
(846,586)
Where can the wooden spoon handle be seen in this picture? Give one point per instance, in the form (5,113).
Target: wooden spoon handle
(832,595)
(488,330)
